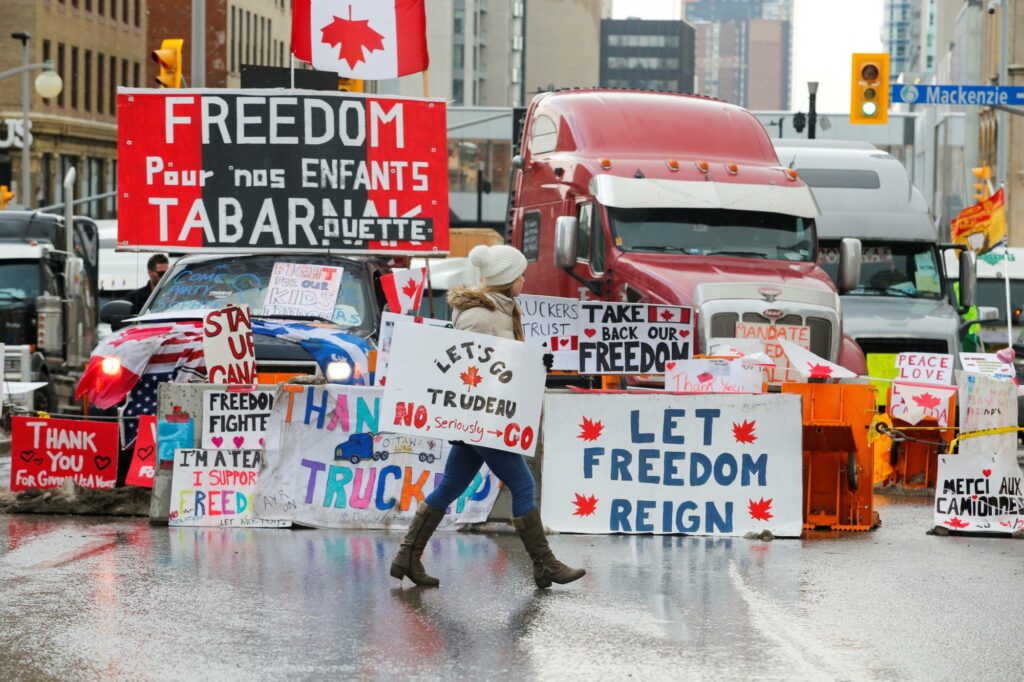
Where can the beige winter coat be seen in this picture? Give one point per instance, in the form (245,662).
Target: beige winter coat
(484,313)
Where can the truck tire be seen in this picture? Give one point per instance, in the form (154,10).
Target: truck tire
(354,459)
(852,471)
(45,399)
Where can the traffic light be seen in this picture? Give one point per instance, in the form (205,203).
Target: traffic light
(350,85)
(869,88)
(982,188)
(5,196)
(169,59)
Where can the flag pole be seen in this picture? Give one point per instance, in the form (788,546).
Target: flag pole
(430,290)
(1006,281)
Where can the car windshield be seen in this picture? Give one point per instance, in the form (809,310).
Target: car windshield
(713,232)
(907,269)
(193,285)
(20,280)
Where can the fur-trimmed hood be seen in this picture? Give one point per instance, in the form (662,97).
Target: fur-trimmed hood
(467,298)
(483,312)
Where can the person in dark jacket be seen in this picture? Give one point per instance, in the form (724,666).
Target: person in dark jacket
(155,268)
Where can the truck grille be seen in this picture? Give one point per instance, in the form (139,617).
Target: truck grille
(903,346)
(724,325)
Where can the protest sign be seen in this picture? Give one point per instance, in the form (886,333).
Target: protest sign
(632,338)
(403,289)
(805,364)
(388,320)
(913,402)
(458,385)
(553,323)
(712,376)
(214,488)
(143,466)
(925,368)
(772,336)
(267,170)
(235,420)
(327,467)
(45,452)
(986,403)
(303,289)
(979,493)
(987,363)
(701,465)
(228,347)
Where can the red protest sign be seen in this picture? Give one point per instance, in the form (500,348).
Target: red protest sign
(143,466)
(257,171)
(228,347)
(45,452)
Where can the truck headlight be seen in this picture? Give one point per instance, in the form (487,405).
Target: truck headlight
(339,371)
(111,365)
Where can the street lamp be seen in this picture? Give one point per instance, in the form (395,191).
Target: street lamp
(48,84)
(812,113)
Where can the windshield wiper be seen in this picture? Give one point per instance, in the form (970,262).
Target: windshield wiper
(660,247)
(741,254)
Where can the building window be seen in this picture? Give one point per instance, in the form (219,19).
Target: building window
(46,58)
(113,9)
(124,73)
(74,78)
(100,7)
(459,23)
(124,11)
(247,53)
(458,57)
(234,39)
(88,5)
(112,97)
(100,67)
(45,181)
(138,15)
(270,50)
(136,73)
(87,100)
(280,50)
(62,71)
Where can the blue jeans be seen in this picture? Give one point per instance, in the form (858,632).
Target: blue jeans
(464,462)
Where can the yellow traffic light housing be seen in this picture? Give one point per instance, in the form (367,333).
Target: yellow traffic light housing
(869,88)
(982,188)
(350,85)
(5,196)
(169,59)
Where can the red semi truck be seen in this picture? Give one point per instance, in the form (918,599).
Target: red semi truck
(675,199)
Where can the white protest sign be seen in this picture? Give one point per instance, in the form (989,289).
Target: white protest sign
(553,323)
(632,338)
(979,493)
(712,376)
(326,467)
(215,488)
(235,419)
(986,403)
(303,289)
(804,363)
(457,385)
(913,402)
(925,368)
(650,463)
(987,363)
(228,347)
(388,320)
(772,336)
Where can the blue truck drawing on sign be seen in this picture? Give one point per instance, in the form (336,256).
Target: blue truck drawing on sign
(358,448)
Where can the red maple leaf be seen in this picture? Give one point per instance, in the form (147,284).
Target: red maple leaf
(956,523)
(761,510)
(926,400)
(585,506)
(590,430)
(817,371)
(410,288)
(352,38)
(666,315)
(744,433)
(471,377)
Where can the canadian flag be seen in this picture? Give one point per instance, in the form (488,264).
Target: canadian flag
(564,343)
(913,402)
(361,39)
(404,289)
(806,363)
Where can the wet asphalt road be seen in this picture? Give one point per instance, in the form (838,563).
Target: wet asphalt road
(88,598)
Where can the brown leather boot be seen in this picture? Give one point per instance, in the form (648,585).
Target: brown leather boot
(546,568)
(407,562)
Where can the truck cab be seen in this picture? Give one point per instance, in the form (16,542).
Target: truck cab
(674,199)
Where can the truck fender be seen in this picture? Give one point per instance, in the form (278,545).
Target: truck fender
(852,357)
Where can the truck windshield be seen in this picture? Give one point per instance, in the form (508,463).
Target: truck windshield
(908,269)
(20,280)
(713,232)
(192,285)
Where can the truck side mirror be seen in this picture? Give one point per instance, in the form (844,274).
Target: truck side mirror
(565,242)
(849,264)
(115,313)
(968,279)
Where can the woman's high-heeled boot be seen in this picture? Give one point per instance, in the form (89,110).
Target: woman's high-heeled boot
(546,568)
(407,562)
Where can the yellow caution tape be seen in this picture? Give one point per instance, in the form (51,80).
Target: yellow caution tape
(984,432)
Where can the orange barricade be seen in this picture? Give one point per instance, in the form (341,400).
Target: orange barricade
(914,464)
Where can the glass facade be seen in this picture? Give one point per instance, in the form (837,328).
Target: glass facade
(647,55)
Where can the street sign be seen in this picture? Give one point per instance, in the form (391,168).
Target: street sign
(978,95)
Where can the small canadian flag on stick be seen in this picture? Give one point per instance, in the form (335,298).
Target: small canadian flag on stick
(361,39)
(404,289)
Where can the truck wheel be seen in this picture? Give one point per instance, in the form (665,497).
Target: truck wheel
(354,459)
(423,457)
(852,472)
(383,456)
(45,399)
(894,454)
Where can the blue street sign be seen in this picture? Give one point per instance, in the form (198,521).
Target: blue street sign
(976,95)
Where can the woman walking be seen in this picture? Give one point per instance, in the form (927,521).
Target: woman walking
(488,309)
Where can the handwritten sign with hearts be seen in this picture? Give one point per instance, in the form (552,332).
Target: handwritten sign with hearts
(235,419)
(49,451)
(143,467)
(553,323)
(632,338)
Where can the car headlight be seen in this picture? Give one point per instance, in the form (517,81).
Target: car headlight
(339,371)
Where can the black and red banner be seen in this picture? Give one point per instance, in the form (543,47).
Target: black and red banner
(276,170)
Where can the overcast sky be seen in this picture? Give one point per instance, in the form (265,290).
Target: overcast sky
(825,34)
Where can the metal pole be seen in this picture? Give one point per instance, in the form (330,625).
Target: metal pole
(1004,80)
(198,43)
(812,112)
(26,176)
(69,216)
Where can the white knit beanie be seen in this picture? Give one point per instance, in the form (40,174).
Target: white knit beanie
(499,265)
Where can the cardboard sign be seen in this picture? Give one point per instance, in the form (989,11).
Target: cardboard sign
(214,488)
(303,289)
(986,403)
(987,363)
(388,321)
(700,465)
(925,368)
(144,459)
(458,385)
(45,452)
(235,420)
(632,338)
(772,336)
(979,493)
(327,468)
(912,403)
(228,347)
(553,323)
(240,171)
(712,376)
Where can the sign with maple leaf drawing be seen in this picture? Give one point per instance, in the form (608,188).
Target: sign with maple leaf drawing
(912,402)
(553,323)
(457,385)
(979,493)
(632,338)
(388,320)
(718,464)
(244,171)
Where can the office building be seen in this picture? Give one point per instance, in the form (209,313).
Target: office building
(647,55)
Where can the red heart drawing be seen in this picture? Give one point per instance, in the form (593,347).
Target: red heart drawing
(261,441)
(986,472)
(39,461)
(684,333)
(27,455)
(974,497)
(563,342)
(238,440)
(590,333)
(670,366)
(216,440)
(101,462)
(145,453)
